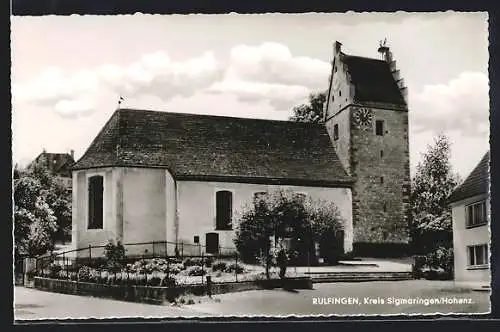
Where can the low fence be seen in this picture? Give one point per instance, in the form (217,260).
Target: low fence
(148,263)
(158,295)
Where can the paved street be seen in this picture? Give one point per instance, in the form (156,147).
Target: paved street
(301,302)
(33,304)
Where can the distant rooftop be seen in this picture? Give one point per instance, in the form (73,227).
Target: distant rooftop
(477,183)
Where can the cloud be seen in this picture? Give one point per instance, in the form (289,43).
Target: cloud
(270,72)
(153,74)
(72,108)
(279,96)
(157,75)
(263,73)
(55,89)
(461,105)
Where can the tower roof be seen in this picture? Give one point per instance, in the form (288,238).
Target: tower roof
(373,80)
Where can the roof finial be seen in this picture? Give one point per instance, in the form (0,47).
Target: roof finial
(384,50)
(120,101)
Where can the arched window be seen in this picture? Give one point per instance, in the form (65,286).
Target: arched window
(95,201)
(224,210)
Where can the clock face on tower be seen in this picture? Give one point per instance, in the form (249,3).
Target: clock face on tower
(363,118)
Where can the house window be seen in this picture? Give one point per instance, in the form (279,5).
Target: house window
(381,180)
(340,93)
(95,198)
(379,127)
(477,255)
(381,153)
(476,214)
(385,207)
(336,132)
(224,210)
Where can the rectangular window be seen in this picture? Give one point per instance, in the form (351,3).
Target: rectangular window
(477,255)
(476,214)
(224,210)
(95,201)
(379,127)
(336,132)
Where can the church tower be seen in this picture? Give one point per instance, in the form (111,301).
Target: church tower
(366,115)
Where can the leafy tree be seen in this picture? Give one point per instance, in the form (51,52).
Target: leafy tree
(58,198)
(34,220)
(327,225)
(312,111)
(284,214)
(429,212)
(42,209)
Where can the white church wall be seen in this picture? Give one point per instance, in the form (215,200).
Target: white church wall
(82,236)
(196,208)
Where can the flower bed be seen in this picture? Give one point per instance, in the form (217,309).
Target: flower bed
(166,272)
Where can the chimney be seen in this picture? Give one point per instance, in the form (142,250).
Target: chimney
(72,153)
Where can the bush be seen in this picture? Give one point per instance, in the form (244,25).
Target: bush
(84,274)
(190,261)
(234,268)
(54,270)
(154,281)
(441,262)
(195,270)
(418,266)
(208,261)
(115,254)
(168,282)
(219,266)
(175,268)
(175,260)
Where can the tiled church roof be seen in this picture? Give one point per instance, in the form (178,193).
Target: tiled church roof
(477,183)
(373,80)
(213,147)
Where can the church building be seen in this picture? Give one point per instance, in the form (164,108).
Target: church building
(184,178)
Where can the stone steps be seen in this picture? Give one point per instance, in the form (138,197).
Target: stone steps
(359,276)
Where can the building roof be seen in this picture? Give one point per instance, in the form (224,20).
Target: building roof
(216,147)
(57,163)
(477,183)
(373,80)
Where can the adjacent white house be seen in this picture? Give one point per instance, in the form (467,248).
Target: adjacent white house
(470,203)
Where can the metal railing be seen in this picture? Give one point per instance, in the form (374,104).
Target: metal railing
(156,263)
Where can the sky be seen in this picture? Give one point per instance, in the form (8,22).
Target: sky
(69,71)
